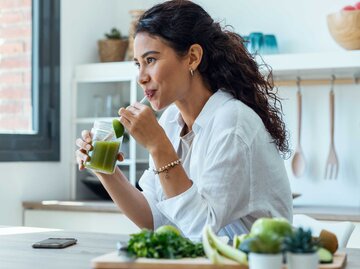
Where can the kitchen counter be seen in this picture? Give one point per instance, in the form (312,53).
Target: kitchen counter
(331,213)
(16,251)
(84,206)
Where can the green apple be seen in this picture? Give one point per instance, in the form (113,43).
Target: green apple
(276,226)
(167,229)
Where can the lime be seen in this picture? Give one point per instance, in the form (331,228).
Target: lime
(118,128)
(167,229)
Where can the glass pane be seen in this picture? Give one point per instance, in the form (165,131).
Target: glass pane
(15,67)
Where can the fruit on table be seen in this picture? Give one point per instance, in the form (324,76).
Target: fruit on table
(328,240)
(278,226)
(238,239)
(167,229)
(324,255)
(210,250)
(218,251)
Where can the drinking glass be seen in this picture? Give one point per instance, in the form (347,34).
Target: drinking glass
(270,45)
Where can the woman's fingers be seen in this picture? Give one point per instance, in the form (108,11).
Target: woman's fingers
(82,144)
(121,157)
(127,113)
(81,158)
(80,164)
(82,155)
(85,141)
(86,136)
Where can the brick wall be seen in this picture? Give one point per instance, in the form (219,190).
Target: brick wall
(15,66)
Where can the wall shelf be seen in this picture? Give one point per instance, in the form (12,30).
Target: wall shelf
(343,64)
(314,66)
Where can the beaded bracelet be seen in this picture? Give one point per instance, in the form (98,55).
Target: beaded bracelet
(167,167)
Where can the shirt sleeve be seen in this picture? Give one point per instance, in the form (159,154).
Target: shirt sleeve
(221,193)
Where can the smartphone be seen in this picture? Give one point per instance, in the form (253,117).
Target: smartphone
(55,243)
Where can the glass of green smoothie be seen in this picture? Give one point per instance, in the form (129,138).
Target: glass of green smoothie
(105,148)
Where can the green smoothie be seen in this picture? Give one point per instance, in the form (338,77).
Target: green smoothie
(103,156)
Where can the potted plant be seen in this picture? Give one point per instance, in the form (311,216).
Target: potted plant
(264,251)
(113,48)
(301,250)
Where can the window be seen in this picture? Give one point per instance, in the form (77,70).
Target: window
(29,80)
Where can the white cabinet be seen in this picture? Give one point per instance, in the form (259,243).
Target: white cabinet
(99,90)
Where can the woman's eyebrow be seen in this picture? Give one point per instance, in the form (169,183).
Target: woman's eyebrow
(148,53)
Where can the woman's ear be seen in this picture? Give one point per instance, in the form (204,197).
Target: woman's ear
(195,56)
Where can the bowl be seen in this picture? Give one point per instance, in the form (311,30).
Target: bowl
(344,27)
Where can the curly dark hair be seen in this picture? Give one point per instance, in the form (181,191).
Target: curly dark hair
(226,64)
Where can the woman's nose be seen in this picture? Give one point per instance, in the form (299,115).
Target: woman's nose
(143,78)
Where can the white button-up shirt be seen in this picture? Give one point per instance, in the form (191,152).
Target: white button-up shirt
(236,170)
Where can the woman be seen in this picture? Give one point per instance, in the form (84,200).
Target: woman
(214,154)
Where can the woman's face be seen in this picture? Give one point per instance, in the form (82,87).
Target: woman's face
(163,75)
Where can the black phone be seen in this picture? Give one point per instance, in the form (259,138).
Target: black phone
(55,243)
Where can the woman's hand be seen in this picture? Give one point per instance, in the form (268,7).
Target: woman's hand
(84,144)
(142,124)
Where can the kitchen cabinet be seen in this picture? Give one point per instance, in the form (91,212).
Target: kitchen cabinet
(102,217)
(99,90)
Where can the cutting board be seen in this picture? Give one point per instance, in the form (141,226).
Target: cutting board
(113,261)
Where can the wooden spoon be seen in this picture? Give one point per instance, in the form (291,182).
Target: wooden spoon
(298,163)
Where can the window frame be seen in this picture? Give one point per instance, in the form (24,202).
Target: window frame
(44,145)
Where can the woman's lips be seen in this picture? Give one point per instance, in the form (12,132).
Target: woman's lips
(150,93)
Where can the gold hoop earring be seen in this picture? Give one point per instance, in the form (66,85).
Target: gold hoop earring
(191,72)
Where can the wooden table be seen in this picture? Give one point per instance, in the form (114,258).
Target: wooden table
(16,251)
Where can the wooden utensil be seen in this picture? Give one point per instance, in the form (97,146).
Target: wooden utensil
(298,163)
(332,163)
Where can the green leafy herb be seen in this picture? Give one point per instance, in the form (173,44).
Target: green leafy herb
(268,243)
(167,245)
(301,241)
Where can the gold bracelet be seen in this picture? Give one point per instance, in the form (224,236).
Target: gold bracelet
(167,167)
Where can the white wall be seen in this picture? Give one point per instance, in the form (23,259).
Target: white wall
(299,26)
(82,23)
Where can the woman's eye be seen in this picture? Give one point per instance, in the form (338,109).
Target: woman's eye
(150,60)
(137,64)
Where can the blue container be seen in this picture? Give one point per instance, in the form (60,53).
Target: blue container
(270,45)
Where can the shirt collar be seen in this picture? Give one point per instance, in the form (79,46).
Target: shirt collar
(215,101)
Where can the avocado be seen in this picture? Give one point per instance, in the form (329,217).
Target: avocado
(325,255)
